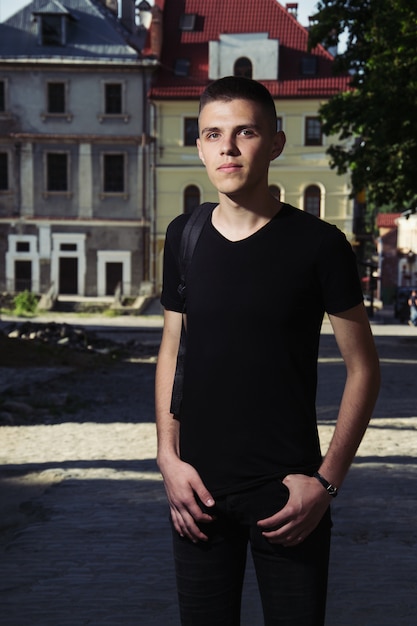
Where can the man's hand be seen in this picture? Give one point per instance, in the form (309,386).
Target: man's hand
(307,503)
(183,486)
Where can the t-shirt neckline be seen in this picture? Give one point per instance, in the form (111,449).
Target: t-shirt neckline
(258,232)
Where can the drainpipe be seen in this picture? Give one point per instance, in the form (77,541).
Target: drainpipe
(153,208)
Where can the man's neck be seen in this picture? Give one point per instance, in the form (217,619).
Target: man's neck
(237,220)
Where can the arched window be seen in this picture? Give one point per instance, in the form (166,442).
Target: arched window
(243,67)
(191,198)
(312,200)
(275,191)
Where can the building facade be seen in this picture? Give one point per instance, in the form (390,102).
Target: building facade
(263,40)
(407,250)
(75,203)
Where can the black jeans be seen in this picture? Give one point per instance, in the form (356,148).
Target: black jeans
(292,581)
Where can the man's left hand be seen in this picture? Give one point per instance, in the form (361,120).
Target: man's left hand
(307,503)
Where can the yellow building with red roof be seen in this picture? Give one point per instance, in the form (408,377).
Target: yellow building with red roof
(262,39)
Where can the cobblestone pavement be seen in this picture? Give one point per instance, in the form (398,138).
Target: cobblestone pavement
(85,535)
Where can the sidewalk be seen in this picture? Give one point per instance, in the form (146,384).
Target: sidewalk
(382,322)
(96,550)
(93,547)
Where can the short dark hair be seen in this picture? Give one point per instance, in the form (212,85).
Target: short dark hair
(240,88)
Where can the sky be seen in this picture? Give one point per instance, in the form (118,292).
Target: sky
(305,8)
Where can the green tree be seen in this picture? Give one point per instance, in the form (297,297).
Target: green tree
(376,120)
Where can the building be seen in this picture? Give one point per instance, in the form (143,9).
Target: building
(386,224)
(263,40)
(75,208)
(407,250)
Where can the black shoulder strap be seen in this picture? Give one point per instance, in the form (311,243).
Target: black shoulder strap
(189,238)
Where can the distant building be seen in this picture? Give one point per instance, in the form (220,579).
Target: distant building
(388,254)
(75,197)
(205,40)
(407,251)
(397,252)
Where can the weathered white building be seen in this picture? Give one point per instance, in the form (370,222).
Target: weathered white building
(75,209)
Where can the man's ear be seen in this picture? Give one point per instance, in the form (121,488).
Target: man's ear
(200,154)
(278,145)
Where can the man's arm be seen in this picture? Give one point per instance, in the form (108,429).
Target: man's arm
(182,482)
(357,347)
(308,499)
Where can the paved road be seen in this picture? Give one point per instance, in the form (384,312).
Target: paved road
(94,546)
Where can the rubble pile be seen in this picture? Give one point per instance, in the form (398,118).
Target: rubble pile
(76,338)
(54,333)
(33,355)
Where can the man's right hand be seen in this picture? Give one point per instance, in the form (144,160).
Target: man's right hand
(184,486)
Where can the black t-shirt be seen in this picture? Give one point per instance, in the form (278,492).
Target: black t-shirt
(254,313)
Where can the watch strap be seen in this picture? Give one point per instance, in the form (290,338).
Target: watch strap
(331,489)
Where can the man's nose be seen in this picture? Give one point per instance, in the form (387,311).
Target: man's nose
(228,145)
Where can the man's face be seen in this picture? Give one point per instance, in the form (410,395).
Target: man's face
(236,144)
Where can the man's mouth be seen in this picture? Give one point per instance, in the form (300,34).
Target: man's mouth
(229,167)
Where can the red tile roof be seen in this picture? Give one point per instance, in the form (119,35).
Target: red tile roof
(216,17)
(387,220)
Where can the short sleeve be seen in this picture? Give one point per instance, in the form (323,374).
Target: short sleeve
(338,272)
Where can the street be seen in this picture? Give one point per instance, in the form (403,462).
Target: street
(91,545)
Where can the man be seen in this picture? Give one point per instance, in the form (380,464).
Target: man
(239,462)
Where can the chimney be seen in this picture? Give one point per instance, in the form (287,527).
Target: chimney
(145,14)
(156,31)
(292,7)
(128,15)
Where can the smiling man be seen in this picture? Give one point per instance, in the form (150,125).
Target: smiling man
(241,461)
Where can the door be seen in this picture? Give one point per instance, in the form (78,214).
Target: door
(114,276)
(23,275)
(68,275)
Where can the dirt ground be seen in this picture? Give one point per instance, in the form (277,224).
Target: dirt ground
(78,445)
(43,385)
(49,383)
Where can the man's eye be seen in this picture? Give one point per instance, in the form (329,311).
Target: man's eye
(246,132)
(212,135)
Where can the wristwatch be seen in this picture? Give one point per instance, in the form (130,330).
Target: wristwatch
(331,489)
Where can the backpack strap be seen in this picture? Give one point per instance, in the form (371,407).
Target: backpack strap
(189,238)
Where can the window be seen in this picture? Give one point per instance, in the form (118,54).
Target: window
(190,131)
(68,247)
(312,200)
(279,123)
(51,30)
(56,97)
(113,98)
(309,66)
(56,171)
(313,135)
(4,171)
(182,67)
(243,67)
(275,191)
(191,198)
(2,96)
(114,173)
(114,102)
(187,21)
(22,246)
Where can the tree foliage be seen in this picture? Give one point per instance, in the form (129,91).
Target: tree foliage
(376,120)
